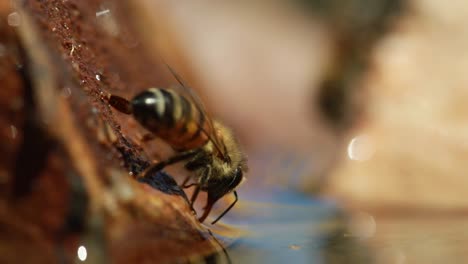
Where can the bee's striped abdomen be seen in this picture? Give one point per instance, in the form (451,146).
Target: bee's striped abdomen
(172,117)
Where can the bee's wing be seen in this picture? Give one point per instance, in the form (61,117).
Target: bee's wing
(193,97)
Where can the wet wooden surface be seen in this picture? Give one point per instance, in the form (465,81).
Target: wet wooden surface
(69,162)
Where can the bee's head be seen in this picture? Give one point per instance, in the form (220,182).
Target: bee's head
(221,187)
(218,187)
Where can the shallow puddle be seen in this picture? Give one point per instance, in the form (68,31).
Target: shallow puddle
(281,226)
(285,227)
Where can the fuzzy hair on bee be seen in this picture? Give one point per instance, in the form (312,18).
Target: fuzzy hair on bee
(223,176)
(208,149)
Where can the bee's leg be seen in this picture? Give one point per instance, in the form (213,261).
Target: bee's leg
(199,185)
(165,183)
(227,209)
(187,179)
(190,185)
(207,209)
(195,193)
(154,169)
(174,159)
(198,161)
(184,183)
(203,181)
(120,104)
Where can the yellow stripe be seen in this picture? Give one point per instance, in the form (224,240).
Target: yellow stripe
(159,107)
(177,113)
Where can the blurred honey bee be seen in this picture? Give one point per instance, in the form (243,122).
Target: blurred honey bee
(208,148)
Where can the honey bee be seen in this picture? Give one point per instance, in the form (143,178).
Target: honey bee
(209,149)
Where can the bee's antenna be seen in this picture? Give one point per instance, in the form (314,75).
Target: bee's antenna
(227,209)
(174,73)
(201,108)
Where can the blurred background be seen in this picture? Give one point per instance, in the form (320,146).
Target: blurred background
(347,104)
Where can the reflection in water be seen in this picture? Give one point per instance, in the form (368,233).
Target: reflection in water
(294,247)
(107,21)
(361,148)
(13,131)
(102,12)
(339,248)
(285,227)
(14,19)
(82,253)
(66,91)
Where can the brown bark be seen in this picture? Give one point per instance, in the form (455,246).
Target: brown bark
(67,164)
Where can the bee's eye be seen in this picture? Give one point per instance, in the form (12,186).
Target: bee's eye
(239,172)
(237,178)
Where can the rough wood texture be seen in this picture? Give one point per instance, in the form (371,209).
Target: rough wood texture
(68,164)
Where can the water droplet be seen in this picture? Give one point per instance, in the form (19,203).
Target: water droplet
(102,12)
(13,131)
(66,92)
(361,148)
(98,77)
(107,21)
(82,253)
(72,50)
(121,188)
(294,247)
(14,19)
(111,136)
